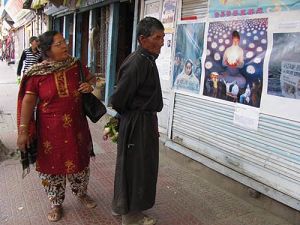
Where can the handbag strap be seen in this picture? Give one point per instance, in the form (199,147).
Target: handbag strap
(81,74)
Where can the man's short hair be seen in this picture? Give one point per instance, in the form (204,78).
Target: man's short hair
(235,34)
(33,38)
(148,26)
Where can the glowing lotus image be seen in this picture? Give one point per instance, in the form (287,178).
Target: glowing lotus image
(236,51)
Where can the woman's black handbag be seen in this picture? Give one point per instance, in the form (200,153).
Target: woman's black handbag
(92,106)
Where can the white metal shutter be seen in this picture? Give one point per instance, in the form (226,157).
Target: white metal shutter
(270,155)
(198,8)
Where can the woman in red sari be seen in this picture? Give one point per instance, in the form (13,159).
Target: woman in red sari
(64,143)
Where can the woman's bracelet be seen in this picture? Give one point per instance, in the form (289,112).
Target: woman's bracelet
(23,125)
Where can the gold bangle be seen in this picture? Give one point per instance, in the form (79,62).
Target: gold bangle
(23,125)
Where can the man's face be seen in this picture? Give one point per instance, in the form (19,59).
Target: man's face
(235,41)
(154,42)
(34,44)
(177,60)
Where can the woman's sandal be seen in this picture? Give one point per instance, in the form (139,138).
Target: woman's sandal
(87,201)
(55,213)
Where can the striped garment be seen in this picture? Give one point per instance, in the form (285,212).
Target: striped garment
(30,59)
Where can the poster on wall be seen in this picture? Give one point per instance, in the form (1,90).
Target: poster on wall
(163,62)
(188,53)
(225,8)
(152,9)
(168,15)
(234,60)
(284,66)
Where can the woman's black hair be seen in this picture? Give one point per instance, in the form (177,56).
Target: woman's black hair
(46,40)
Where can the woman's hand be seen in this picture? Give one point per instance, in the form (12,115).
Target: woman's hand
(85,88)
(23,141)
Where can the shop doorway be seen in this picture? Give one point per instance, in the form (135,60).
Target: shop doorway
(125,32)
(69,32)
(82,37)
(58,24)
(99,47)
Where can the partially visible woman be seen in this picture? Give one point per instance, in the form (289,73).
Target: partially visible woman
(187,80)
(64,143)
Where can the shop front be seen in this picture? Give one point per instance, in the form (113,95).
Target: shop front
(91,29)
(234,84)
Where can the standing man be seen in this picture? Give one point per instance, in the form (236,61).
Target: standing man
(137,99)
(31,56)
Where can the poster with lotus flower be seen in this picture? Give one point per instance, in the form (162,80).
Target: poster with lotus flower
(234,60)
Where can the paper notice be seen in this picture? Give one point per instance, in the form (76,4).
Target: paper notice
(247,118)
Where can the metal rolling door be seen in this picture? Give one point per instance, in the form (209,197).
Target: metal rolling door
(270,155)
(198,8)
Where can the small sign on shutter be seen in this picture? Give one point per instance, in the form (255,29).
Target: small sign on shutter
(246,118)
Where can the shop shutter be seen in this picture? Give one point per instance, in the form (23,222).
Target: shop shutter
(196,9)
(270,155)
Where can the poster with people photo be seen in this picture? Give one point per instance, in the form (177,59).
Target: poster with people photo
(168,15)
(284,66)
(234,60)
(188,53)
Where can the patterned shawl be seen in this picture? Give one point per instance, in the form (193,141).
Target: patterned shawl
(40,69)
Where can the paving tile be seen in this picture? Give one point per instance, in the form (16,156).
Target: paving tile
(258,218)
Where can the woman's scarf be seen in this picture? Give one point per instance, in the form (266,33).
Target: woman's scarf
(41,69)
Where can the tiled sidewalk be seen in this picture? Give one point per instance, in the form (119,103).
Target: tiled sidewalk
(183,198)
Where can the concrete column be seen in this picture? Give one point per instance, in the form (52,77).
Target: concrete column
(37,20)
(64,26)
(112,50)
(74,34)
(90,51)
(135,21)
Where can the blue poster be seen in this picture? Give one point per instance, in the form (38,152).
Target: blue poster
(225,8)
(234,60)
(188,53)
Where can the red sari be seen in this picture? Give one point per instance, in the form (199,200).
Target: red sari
(64,139)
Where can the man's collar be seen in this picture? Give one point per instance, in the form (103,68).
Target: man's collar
(148,54)
(30,49)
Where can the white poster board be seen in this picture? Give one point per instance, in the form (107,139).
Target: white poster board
(281,69)
(163,62)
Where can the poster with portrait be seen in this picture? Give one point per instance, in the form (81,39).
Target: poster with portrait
(188,53)
(168,15)
(234,60)
(225,8)
(152,9)
(284,66)
(163,61)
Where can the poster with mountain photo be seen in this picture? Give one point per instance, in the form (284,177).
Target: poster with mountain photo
(284,66)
